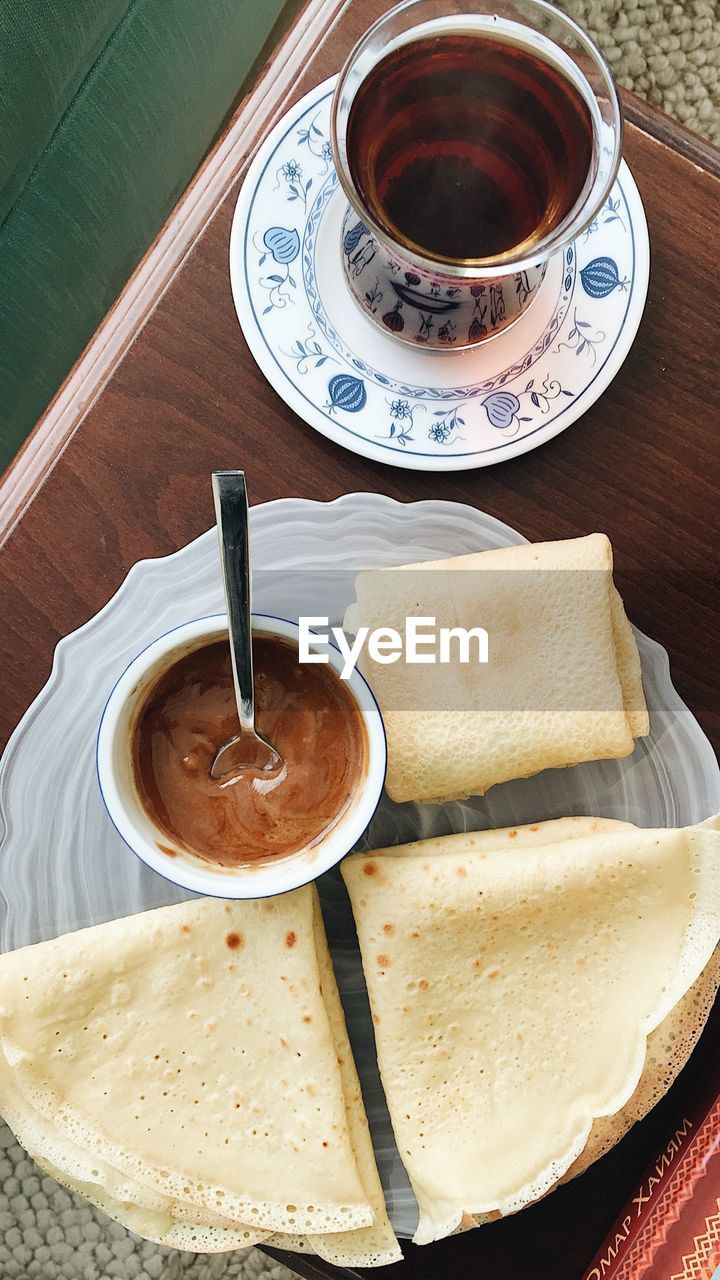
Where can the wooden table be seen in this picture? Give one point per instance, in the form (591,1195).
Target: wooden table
(167,390)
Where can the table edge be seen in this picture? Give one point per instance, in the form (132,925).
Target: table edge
(670,133)
(233,150)
(252,119)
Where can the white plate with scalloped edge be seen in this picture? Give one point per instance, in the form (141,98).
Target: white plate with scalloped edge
(62,865)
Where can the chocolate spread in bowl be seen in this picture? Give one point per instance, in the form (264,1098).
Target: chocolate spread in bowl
(304,710)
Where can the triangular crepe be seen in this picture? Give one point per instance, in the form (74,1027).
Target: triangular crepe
(180,1068)
(533,991)
(562,683)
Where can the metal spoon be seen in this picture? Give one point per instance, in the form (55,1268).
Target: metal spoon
(247,749)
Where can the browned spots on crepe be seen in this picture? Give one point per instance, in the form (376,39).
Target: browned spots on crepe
(494,973)
(423,984)
(383,960)
(512,834)
(376,1019)
(307,1017)
(415,933)
(369,869)
(184,928)
(233,941)
(461,871)
(290,939)
(389,929)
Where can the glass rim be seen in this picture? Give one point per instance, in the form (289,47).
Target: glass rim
(504,264)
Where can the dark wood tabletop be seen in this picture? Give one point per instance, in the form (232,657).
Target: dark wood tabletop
(167,391)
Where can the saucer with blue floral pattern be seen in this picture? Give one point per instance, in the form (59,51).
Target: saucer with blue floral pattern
(433,410)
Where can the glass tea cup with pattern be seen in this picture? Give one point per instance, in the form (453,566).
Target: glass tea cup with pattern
(473,141)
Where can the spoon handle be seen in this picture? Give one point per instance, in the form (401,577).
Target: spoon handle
(231,510)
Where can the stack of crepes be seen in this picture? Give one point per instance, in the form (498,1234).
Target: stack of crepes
(188,1071)
(534,992)
(562,683)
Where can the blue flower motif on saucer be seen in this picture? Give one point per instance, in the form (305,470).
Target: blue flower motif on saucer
(600,277)
(337,360)
(312,135)
(282,243)
(502,407)
(445,429)
(402,416)
(346,392)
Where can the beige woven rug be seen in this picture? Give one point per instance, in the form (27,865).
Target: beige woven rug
(670,54)
(667,52)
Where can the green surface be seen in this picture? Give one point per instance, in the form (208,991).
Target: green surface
(47,49)
(108,108)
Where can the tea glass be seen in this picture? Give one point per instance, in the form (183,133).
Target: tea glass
(440,303)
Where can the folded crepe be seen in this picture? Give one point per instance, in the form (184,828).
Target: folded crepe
(562,683)
(534,992)
(188,1071)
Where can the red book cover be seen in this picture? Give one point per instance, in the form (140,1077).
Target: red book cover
(670,1228)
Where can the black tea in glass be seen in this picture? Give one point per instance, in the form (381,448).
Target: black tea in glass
(466,147)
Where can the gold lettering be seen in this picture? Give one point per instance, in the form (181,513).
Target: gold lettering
(609,1257)
(640,1200)
(663,1164)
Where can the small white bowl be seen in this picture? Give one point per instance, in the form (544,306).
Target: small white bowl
(149,841)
